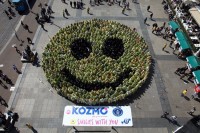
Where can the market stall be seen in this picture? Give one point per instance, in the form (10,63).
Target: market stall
(174,26)
(193,63)
(196,74)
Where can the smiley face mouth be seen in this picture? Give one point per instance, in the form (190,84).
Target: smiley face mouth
(95,85)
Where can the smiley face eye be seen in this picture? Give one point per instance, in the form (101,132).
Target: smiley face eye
(81,48)
(113,47)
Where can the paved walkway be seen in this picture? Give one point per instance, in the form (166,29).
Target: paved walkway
(8,37)
(38,104)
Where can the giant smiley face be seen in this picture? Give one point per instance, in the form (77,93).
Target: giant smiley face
(96,61)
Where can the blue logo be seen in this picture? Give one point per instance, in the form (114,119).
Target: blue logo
(89,110)
(117,112)
(126,121)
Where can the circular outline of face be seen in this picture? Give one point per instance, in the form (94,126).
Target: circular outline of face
(79,61)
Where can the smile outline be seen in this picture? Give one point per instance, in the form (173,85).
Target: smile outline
(95,85)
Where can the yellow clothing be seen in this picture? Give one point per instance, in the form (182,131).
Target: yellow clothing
(184,92)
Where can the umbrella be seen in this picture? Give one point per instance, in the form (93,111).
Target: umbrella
(197,89)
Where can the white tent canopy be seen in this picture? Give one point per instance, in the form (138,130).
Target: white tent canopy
(195,13)
(191,1)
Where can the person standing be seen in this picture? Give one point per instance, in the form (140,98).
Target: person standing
(153,29)
(148,8)
(151,15)
(184,92)
(119,2)
(165,115)
(123,10)
(127,5)
(88,10)
(145,20)
(173,118)
(8,14)
(26,27)
(164,23)
(192,110)
(22,23)
(15,68)
(74,4)
(164,47)
(29,126)
(71,3)
(66,12)
(29,40)
(170,45)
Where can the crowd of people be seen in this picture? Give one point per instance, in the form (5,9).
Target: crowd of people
(8,119)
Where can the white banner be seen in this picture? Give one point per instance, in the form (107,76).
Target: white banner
(97,116)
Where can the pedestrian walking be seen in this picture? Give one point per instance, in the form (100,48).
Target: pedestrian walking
(66,12)
(88,10)
(165,115)
(26,27)
(151,15)
(8,14)
(184,92)
(29,126)
(119,2)
(192,110)
(148,8)
(127,5)
(17,50)
(164,47)
(15,68)
(11,11)
(145,20)
(29,40)
(123,10)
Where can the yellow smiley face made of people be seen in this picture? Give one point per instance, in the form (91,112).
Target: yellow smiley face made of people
(96,61)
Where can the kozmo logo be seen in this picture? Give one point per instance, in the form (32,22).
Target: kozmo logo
(126,121)
(89,110)
(117,111)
